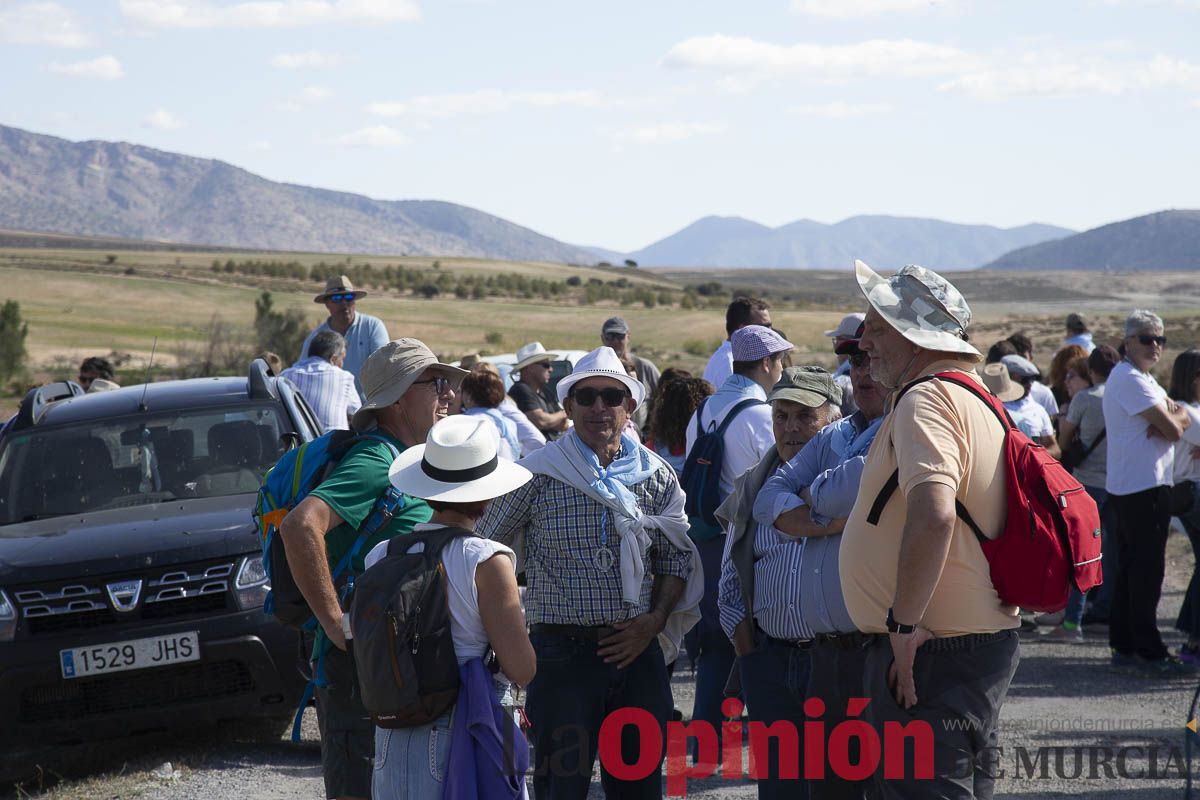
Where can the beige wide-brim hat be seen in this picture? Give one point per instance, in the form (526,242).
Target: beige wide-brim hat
(339,285)
(530,354)
(998,382)
(390,371)
(923,306)
(459,463)
(601,363)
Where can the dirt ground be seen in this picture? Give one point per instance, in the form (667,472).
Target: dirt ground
(1064,699)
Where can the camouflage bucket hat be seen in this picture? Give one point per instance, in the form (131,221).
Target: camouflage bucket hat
(923,306)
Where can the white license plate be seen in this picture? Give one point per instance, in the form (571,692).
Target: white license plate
(154,651)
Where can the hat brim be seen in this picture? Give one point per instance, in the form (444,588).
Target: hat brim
(407,476)
(394,391)
(804,397)
(635,387)
(848,348)
(535,359)
(323,296)
(876,289)
(1014,392)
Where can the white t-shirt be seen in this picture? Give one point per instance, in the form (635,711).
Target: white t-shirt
(1044,397)
(1187,466)
(1136,462)
(461,556)
(720,365)
(1030,417)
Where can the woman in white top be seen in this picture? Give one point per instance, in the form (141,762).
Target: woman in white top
(457,471)
(1185,390)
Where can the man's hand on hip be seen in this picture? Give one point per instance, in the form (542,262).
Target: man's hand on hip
(900,673)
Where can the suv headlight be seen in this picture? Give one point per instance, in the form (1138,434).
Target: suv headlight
(251,583)
(8,618)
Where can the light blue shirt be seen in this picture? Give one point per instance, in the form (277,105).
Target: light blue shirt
(1084,340)
(364,336)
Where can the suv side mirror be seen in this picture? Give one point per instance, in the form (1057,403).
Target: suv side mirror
(289,440)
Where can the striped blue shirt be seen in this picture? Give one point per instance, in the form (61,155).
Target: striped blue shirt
(328,389)
(778,561)
(364,336)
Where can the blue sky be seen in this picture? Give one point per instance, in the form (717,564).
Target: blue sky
(617,123)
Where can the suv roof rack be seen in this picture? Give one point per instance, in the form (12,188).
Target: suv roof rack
(261,384)
(37,400)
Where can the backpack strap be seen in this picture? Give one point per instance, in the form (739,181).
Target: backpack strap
(893,481)
(700,417)
(733,412)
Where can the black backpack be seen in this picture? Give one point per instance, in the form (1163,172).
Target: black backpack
(400,622)
(701,480)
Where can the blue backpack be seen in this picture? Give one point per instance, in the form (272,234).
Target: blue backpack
(702,473)
(297,473)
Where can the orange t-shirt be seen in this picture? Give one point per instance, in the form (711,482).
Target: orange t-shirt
(938,433)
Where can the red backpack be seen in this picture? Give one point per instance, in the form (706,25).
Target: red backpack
(1051,535)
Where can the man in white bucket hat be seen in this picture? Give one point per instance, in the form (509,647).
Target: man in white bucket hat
(407,391)
(613,580)
(912,571)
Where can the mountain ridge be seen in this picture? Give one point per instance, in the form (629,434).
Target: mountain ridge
(1163,240)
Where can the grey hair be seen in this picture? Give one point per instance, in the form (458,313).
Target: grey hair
(327,345)
(1142,320)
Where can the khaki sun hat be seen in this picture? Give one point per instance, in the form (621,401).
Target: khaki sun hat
(339,285)
(923,306)
(998,382)
(390,371)
(809,386)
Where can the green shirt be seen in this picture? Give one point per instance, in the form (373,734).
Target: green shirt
(352,489)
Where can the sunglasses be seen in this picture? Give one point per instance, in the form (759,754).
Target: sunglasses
(440,384)
(1148,340)
(611,397)
(860,360)
(348,297)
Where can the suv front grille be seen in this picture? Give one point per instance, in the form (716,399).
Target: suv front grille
(150,689)
(178,591)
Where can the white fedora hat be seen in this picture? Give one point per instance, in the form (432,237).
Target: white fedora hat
(601,363)
(459,463)
(532,353)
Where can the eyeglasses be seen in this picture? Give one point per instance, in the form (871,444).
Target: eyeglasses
(1148,340)
(611,397)
(348,297)
(859,360)
(440,384)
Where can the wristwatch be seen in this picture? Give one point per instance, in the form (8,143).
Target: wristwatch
(896,627)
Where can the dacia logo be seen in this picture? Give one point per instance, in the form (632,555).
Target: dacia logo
(124,595)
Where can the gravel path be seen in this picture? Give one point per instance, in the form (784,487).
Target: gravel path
(1064,699)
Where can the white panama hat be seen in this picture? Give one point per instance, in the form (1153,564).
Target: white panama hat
(601,363)
(530,354)
(459,463)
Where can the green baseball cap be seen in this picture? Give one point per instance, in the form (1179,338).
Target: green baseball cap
(808,386)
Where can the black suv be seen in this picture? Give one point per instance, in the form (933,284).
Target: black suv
(131,582)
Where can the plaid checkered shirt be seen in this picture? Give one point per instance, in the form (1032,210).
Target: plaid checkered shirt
(563,529)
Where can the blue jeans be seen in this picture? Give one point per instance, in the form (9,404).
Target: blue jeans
(572,693)
(716,651)
(775,682)
(411,762)
(1102,594)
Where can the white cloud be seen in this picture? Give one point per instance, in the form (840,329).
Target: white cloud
(308,59)
(1052,75)
(104,68)
(665,132)
(873,58)
(41,23)
(860,9)
(484,101)
(842,110)
(315,94)
(162,120)
(198,14)
(374,136)
(262,145)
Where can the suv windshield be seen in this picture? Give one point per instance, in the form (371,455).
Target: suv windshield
(127,461)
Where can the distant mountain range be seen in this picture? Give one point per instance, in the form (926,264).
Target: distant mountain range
(129,191)
(1167,240)
(883,242)
(133,192)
